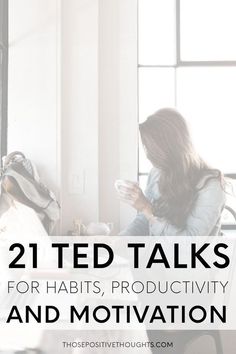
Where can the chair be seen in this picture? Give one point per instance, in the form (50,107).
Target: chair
(229,213)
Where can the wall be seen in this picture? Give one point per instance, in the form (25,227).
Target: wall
(79,111)
(117,105)
(109,110)
(128,118)
(73,98)
(98,108)
(33,125)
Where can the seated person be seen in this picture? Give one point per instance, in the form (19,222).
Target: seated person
(21,188)
(184,196)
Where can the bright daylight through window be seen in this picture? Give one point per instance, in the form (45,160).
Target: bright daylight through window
(192,68)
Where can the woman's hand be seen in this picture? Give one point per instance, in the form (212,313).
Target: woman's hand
(134,196)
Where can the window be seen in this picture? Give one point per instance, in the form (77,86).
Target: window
(207,30)
(3,75)
(187,60)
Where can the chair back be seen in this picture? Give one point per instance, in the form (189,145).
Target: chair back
(229,212)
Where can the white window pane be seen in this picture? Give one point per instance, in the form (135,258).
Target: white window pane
(206,97)
(156,90)
(157,39)
(208,30)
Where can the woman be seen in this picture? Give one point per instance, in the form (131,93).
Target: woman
(184,196)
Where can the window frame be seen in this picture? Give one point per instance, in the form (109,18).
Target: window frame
(179,64)
(4,74)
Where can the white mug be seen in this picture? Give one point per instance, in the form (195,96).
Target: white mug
(124,183)
(98,228)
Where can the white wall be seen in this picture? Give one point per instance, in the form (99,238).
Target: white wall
(109,110)
(73,98)
(128,118)
(79,111)
(117,105)
(99,118)
(33,90)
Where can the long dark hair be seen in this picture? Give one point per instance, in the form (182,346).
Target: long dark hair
(167,142)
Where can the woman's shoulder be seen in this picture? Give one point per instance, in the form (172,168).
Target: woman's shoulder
(154,174)
(153,177)
(211,179)
(211,189)
(152,190)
